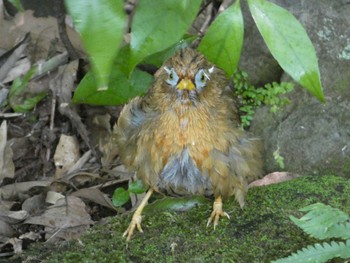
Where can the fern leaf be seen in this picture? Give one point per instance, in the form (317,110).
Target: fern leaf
(319,253)
(323,221)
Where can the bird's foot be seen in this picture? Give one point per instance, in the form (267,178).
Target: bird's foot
(217,213)
(135,222)
(137,218)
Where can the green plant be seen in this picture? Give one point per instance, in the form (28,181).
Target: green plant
(322,222)
(158,26)
(20,99)
(122,196)
(251,97)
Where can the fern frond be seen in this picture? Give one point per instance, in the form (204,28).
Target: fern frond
(319,253)
(323,221)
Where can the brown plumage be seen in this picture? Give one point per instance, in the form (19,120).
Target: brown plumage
(183,136)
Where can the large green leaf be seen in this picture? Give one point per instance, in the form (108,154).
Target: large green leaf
(289,44)
(101,24)
(158,24)
(121,87)
(222,44)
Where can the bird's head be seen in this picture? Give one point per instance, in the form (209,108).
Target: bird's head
(188,78)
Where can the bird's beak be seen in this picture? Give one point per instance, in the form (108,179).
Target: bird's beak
(186,84)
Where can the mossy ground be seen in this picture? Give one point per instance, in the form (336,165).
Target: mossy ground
(259,233)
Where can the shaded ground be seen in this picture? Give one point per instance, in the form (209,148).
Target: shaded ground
(260,233)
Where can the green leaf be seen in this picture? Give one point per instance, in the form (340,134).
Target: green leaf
(323,221)
(158,24)
(120,197)
(319,253)
(222,43)
(19,99)
(289,44)
(137,187)
(17,4)
(101,24)
(121,87)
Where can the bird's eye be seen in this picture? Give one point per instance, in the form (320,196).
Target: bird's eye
(201,79)
(173,78)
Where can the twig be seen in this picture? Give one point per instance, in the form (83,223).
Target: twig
(62,29)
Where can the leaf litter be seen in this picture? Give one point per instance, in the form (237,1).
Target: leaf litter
(57,174)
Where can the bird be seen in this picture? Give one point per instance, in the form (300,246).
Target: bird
(184,136)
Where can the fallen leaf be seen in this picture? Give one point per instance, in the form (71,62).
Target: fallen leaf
(10,191)
(52,197)
(35,204)
(66,155)
(96,196)
(7,168)
(66,220)
(274,178)
(6,230)
(13,217)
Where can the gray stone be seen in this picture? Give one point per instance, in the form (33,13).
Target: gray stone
(311,136)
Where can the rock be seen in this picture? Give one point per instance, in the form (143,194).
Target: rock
(256,59)
(313,137)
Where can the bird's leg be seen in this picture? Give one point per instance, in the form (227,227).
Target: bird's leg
(217,212)
(137,218)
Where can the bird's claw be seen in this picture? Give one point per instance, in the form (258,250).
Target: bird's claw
(135,222)
(217,213)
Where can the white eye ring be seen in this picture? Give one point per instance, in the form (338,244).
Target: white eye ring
(173,78)
(201,79)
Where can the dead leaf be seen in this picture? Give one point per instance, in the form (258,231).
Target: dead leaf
(96,196)
(35,204)
(274,178)
(66,155)
(80,163)
(52,197)
(13,217)
(12,56)
(66,220)
(6,230)
(17,244)
(10,191)
(7,168)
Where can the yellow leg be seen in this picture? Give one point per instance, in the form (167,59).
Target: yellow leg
(217,212)
(137,218)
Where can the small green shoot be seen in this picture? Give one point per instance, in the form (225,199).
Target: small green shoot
(122,196)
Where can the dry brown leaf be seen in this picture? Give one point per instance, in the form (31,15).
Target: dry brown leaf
(17,244)
(66,155)
(96,196)
(52,197)
(5,231)
(13,217)
(7,168)
(10,191)
(35,204)
(66,220)
(274,178)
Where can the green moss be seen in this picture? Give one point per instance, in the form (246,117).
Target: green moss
(259,233)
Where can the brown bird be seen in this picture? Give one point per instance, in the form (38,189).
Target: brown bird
(183,136)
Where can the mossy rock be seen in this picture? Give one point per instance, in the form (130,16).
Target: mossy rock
(261,232)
